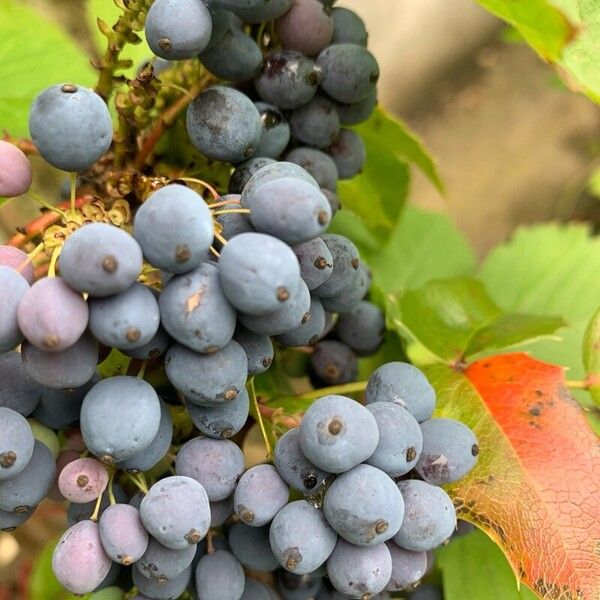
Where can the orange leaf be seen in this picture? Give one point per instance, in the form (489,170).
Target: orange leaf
(536,488)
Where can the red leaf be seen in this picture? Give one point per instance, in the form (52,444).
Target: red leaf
(536,488)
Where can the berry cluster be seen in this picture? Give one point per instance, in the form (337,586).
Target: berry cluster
(203,293)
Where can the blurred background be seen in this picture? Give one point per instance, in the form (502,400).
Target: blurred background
(512,144)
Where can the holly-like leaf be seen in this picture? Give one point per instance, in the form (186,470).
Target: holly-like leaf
(542,25)
(591,355)
(378,194)
(474,568)
(456,319)
(34,54)
(536,487)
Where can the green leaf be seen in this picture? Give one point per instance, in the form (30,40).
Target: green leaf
(474,568)
(381,129)
(110,593)
(423,246)
(511,329)
(108,12)
(456,319)
(43,585)
(116,363)
(34,54)
(542,25)
(444,315)
(379,193)
(591,354)
(565,32)
(594,184)
(549,270)
(552,270)
(580,57)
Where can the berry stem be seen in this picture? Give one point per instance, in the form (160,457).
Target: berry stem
(229,211)
(111,493)
(210,549)
(142,371)
(73,191)
(258,415)
(209,187)
(141,485)
(53,259)
(96,512)
(347,388)
(37,198)
(220,238)
(223,203)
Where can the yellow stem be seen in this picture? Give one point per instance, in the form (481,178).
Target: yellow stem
(229,211)
(142,370)
(96,512)
(37,198)
(347,388)
(111,493)
(73,191)
(139,484)
(222,203)
(214,251)
(220,238)
(209,187)
(53,259)
(259,418)
(179,88)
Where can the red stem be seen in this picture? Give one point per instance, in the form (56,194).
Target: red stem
(41,223)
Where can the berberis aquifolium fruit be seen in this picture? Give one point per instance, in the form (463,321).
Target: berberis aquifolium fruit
(193,293)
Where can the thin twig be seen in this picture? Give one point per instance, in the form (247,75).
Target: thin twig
(39,225)
(166,120)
